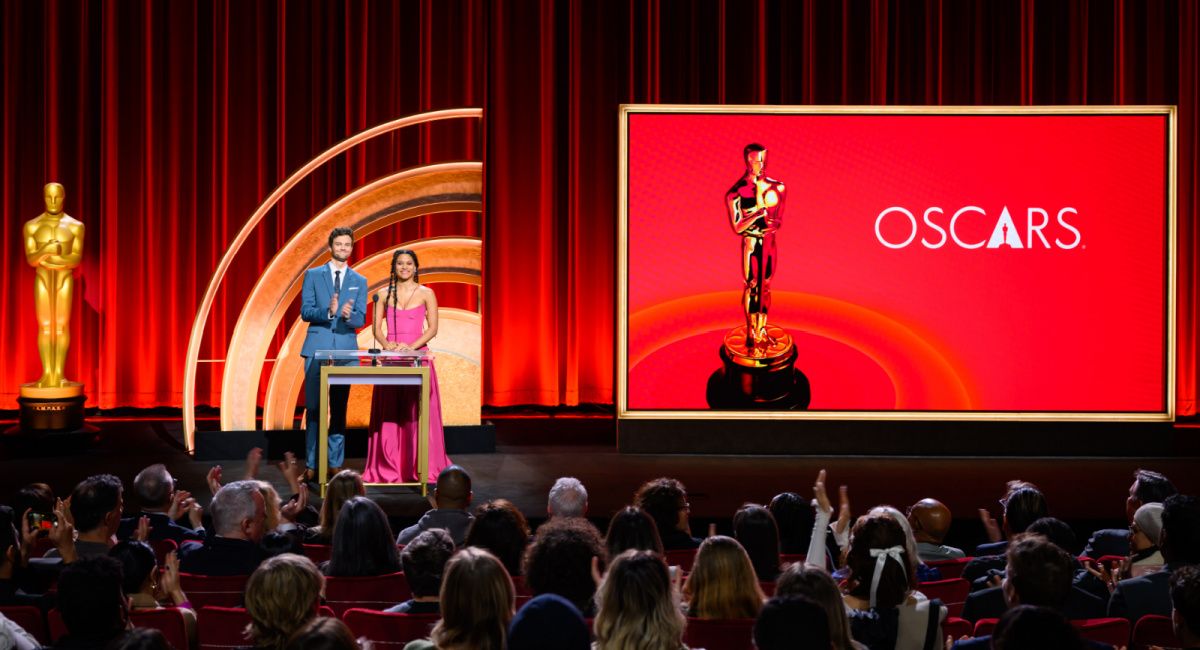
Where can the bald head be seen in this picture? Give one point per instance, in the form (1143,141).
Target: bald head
(930,520)
(453,488)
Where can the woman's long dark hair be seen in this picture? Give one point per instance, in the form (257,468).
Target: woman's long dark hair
(363,543)
(392,279)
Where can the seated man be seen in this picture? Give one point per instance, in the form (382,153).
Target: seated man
(1179,542)
(238,516)
(1148,487)
(665,500)
(568,498)
(1023,505)
(452,496)
(92,604)
(96,506)
(1039,574)
(1185,604)
(423,560)
(930,520)
(559,561)
(155,490)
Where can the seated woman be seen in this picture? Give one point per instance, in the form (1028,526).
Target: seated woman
(637,606)
(880,584)
(814,583)
(344,485)
(722,583)
(632,528)
(363,544)
(477,605)
(754,528)
(410,313)
(501,529)
(142,586)
(281,597)
(794,518)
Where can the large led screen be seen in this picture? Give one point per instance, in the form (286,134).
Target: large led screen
(1003,262)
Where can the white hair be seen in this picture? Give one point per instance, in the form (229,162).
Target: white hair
(233,504)
(568,498)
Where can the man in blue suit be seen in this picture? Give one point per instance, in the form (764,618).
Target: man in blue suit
(333,302)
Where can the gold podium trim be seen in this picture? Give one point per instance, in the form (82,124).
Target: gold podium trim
(422,420)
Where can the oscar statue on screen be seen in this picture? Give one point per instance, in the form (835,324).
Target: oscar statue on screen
(53,246)
(758,358)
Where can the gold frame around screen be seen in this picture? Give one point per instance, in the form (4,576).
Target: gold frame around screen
(623,411)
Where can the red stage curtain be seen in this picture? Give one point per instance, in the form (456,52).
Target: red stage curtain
(168,122)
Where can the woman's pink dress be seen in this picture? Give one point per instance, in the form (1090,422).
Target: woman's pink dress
(392,446)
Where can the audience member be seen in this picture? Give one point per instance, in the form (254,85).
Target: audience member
(1147,487)
(930,521)
(791,623)
(1179,542)
(452,496)
(722,583)
(549,622)
(794,518)
(1028,627)
(559,561)
(323,633)
(632,528)
(424,560)
(36,497)
(923,572)
(281,597)
(344,485)
(501,529)
(142,638)
(1040,573)
(362,542)
(636,605)
(665,500)
(15,637)
(238,515)
(568,498)
(1144,554)
(754,528)
(142,585)
(1023,505)
(883,611)
(96,505)
(799,579)
(154,488)
(477,604)
(91,603)
(1185,605)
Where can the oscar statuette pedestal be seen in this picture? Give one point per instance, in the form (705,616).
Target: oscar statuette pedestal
(51,410)
(763,377)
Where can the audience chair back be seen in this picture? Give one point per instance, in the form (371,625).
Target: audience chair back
(169,621)
(30,619)
(521,588)
(318,553)
(719,634)
(374,592)
(682,558)
(1113,631)
(956,627)
(950,568)
(768,587)
(213,591)
(984,626)
(222,627)
(953,593)
(791,558)
(1154,630)
(389,631)
(58,628)
(162,547)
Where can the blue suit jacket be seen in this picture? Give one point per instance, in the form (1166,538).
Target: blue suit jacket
(335,333)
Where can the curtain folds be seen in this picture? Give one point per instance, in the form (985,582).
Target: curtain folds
(168,123)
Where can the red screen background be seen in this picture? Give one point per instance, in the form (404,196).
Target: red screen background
(1003,329)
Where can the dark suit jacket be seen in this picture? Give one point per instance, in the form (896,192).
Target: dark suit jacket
(221,556)
(1137,597)
(990,603)
(981,567)
(985,643)
(1107,541)
(991,548)
(161,527)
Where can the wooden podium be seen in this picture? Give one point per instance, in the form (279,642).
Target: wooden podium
(345,368)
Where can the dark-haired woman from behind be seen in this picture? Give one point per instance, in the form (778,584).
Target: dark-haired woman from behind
(501,529)
(632,528)
(754,528)
(363,544)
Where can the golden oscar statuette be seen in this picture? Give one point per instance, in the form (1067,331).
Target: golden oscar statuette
(53,247)
(758,358)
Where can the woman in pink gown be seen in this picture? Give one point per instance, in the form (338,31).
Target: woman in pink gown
(411,316)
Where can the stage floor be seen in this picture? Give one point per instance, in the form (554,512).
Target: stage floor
(1086,491)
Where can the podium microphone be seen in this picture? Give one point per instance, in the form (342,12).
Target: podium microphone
(375,300)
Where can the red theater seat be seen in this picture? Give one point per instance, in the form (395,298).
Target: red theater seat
(952,592)
(213,591)
(169,621)
(683,558)
(376,592)
(956,627)
(318,553)
(791,558)
(162,548)
(30,619)
(58,629)
(984,626)
(950,568)
(1113,631)
(521,587)
(389,631)
(1154,630)
(768,587)
(225,627)
(720,634)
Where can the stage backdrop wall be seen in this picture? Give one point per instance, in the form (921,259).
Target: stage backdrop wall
(168,122)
